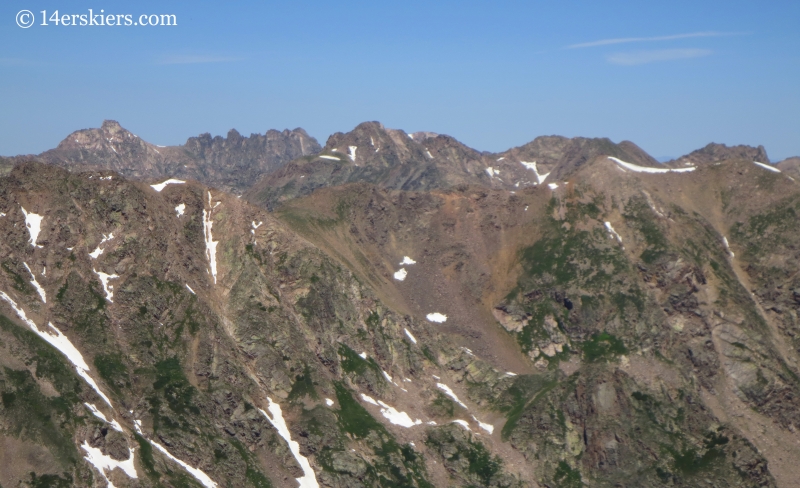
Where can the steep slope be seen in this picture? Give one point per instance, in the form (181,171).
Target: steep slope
(230,164)
(659,324)
(183,338)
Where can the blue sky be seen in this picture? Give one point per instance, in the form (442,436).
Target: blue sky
(670,76)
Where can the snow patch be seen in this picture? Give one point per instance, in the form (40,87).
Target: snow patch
(97,252)
(643,169)
(180,209)
(500,159)
(766,166)
(487,427)
(351,153)
(532,166)
(211,244)
(109,289)
(172,181)
(612,233)
(386,375)
(60,342)
(97,413)
(436,317)
(329,402)
(428,153)
(332,158)
(727,248)
(198,474)
(308,480)
(509,373)
(34,224)
(392,414)
(407,260)
(411,336)
(36,284)
(190,289)
(363,355)
(397,418)
(552,186)
(447,391)
(106,177)
(462,423)
(104,463)
(255,226)
(369,399)
(400,275)
(492,171)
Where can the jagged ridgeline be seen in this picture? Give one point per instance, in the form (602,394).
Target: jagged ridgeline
(567,313)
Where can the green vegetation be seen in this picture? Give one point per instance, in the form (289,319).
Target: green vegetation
(303,386)
(453,447)
(146,455)
(567,477)
(253,475)
(527,390)
(112,369)
(353,363)
(354,418)
(603,346)
(442,406)
(51,481)
(32,415)
(19,283)
(395,466)
(639,216)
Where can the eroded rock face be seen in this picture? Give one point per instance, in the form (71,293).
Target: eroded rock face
(510,322)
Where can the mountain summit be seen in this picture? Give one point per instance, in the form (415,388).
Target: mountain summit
(231,163)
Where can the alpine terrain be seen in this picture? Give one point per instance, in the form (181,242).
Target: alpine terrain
(397,310)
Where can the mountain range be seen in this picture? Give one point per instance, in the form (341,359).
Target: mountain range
(397,310)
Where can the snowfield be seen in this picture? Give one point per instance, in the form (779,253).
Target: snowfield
(644,169)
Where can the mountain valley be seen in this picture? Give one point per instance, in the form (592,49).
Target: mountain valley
(397,310)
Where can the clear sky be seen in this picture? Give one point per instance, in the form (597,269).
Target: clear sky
(671,76)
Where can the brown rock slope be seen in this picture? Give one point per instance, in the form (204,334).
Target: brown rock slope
(179,316)
(657,311)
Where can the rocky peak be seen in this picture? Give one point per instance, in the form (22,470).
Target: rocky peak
(230,163)
(714,152)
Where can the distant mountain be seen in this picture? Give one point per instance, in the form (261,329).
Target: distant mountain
(790,166)
(230,163)
(393,159)
(561,156)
